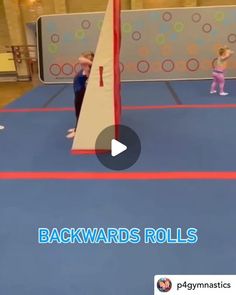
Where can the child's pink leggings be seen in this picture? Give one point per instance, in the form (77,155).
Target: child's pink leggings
(218,78)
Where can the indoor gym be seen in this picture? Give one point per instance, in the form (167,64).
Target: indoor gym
(185,177)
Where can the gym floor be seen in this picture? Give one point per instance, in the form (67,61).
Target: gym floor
(185,177)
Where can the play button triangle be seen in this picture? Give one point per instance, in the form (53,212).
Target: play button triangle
(117,148)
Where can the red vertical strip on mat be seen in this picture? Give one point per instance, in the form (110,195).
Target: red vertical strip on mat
(116,42)
(101,84)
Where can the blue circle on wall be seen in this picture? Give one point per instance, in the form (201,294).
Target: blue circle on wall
(154,16)
(68,37)
(173,37)
(51,27)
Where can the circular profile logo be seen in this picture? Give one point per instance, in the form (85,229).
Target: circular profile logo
(164,285)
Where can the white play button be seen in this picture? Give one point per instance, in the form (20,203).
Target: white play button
(117,147)
(124,151)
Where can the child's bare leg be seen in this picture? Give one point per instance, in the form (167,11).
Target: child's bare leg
(222,84)
(71,130)
(71,135)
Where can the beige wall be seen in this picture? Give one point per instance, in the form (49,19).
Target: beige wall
(169,3)
(136,4)
(215,2)
(16,30)
(4,33)
(92,5)
(60,6)
(32,9)
(185,3)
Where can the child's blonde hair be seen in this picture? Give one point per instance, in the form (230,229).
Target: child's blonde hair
(222,50)
(88,54)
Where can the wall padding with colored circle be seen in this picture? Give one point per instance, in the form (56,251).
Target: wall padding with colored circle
(161,44)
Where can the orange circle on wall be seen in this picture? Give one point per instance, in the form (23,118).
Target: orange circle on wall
(180,66)
(234,63)
(231,65)
(144,51)
(192,49)
(130,67)
(166,50)
(155,66)
(206,64)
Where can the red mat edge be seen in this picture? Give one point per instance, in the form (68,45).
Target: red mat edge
(157,107)
(187,175)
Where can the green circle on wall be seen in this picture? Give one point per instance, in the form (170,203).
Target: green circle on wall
(80,34)
(160,39)
(127,28)
(178,27)
(219,16)
(52,48)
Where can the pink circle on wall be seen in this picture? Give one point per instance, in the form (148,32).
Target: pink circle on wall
(77,68)
(207,28)
(85,24)
(213,62)
(67,69)
(122,67)
(168,65)
(136,36)
(196,17)
(232,38)
(167,16)
(55,38)
(55,69)
(192,64)
(143,66)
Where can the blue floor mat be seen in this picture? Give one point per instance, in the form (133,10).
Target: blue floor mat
(172,140)
(133,94)
(28,268)
(64,99)
(198,92)
(146,93)
(38,97)
(138,93)
(62,95)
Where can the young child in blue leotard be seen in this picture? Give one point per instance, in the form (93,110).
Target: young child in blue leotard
(79,85)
